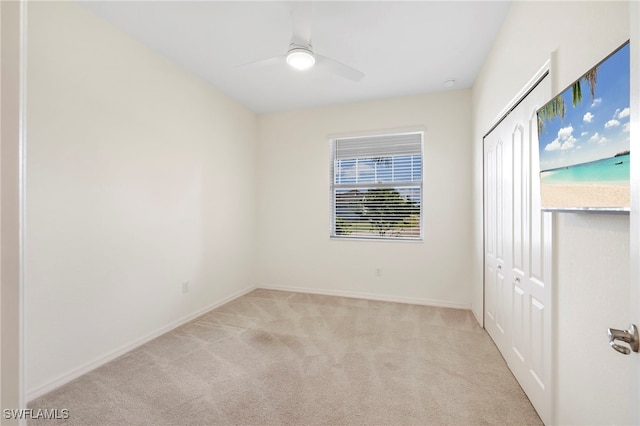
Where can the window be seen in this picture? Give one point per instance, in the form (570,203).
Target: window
(376,189)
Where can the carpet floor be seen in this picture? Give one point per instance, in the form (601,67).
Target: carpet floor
(281,358)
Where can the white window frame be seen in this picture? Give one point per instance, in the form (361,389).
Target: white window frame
(395,145)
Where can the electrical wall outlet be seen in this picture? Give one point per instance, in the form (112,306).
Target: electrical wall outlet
(185,286)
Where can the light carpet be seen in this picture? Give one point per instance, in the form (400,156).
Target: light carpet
(282,358)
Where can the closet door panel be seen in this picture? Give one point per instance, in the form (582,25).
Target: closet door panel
(518,250)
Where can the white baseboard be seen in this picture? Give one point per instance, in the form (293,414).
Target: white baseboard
(77,372)
(371,296)
(478,316)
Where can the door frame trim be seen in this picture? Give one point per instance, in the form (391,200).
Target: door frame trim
(12,193)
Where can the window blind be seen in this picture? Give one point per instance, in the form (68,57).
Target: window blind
(379,146)
(376,189)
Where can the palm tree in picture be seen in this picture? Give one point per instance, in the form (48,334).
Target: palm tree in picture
(556,107)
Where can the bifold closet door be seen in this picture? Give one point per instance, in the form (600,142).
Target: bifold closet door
(518,250)
(497,190)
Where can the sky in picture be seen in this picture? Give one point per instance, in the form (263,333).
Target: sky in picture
(596,128)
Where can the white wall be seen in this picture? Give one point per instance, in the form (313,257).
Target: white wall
(294,249)
(591,251)
(139,177)
(592,381)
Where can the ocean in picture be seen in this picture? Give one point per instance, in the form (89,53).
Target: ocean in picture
(610,170)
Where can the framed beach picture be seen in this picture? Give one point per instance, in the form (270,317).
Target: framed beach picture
(583,136)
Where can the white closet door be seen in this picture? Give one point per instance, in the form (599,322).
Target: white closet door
(497,271)
(518,250)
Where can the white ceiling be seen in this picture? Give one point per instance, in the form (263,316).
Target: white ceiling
(403,48)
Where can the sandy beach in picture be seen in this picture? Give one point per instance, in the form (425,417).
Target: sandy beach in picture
(592,195)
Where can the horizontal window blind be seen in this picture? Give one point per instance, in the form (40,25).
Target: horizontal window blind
(376,189)
(379,146)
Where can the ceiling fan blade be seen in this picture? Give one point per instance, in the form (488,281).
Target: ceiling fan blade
(273,60)
(339,68)
(301,13)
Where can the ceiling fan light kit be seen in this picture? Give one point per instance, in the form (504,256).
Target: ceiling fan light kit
(300,58)
(300,55)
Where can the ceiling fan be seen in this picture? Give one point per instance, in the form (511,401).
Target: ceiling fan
(300,55)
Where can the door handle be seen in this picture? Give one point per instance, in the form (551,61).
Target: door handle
(629,336)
